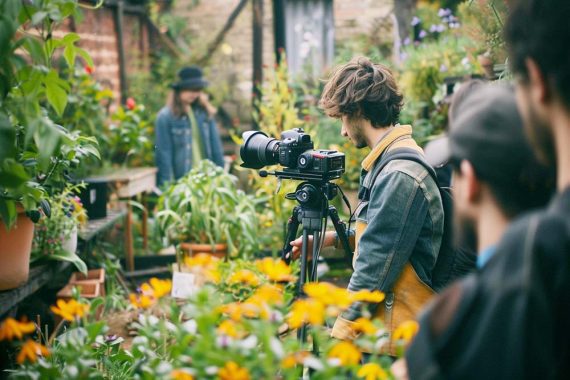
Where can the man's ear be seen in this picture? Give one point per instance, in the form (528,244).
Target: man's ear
(472,186)
(539,89)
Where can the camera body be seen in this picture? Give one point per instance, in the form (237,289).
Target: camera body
(295,152)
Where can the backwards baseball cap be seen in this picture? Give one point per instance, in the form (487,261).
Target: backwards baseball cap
(487,130)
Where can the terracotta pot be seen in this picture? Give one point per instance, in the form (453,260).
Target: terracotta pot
(94,276)
(217,250)
(15,248)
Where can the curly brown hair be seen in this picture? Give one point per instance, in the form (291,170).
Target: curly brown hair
(361,88)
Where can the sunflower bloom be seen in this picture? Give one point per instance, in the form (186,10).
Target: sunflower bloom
(346,353)
(275,270)
(70,310)
(179,374)
(30,351)
(364,325)
(306,311)
(406,331)
(232,371)
(244,277)
(372,371)
(11,329)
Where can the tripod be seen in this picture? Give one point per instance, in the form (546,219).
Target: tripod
(312,212)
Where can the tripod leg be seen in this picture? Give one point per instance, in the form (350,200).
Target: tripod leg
(292,227)
(341,232)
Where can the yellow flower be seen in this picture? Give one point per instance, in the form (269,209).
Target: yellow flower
(372,371)
(292,360)
(213,275)
(160,288)
(364,295)
(346,352)
(202,260)
(141,301)
(245,277)
(232,371)
(267,295)
(306,311)
(228,328)
(406,331)
(30,351)
(275,270)
(179,374)
(11,329)
(70,310)
(328,294)
(365,326)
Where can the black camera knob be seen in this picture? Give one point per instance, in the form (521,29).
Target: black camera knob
(305,161)
(306,194)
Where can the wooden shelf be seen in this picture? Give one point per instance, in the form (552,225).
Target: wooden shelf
(39,276)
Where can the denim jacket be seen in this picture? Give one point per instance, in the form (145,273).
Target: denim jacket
(174,143)
(402,222)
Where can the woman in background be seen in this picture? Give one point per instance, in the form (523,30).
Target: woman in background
(185,129)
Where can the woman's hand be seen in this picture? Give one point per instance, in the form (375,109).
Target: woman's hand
(204,101)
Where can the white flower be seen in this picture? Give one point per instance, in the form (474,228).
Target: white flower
(248,343)
(277,347)
(211,370)
(335,362)
(314,363)
(190,326)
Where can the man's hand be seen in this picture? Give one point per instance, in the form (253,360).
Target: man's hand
(297,244)
(400,369)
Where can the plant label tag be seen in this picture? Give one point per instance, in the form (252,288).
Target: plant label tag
(183,285)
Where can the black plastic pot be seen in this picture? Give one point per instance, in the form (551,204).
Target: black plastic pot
(94,198)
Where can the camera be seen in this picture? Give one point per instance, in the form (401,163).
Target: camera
(295,151)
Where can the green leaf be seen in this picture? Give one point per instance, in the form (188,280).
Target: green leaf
(71,38)
(57,97)
(38,17)
(85,56)
(7,138)
(69,55)
(8,212)
(12,174)
(36,50)
(72,257)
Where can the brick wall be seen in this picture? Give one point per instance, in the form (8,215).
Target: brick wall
(98,36)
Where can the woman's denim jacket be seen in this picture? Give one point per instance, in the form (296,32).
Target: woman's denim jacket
(174,143)
(404,223)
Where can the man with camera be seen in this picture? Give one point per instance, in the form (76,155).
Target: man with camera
(399,220)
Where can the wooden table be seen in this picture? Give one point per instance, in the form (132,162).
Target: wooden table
(129,183)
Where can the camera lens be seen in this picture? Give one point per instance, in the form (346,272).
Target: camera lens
(258,150)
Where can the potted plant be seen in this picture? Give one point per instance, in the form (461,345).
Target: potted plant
(56,237)
(36,154)
(206,208)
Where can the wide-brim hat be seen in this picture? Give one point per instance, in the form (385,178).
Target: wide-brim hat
(190,78)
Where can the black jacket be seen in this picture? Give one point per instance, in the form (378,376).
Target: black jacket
(511,320)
